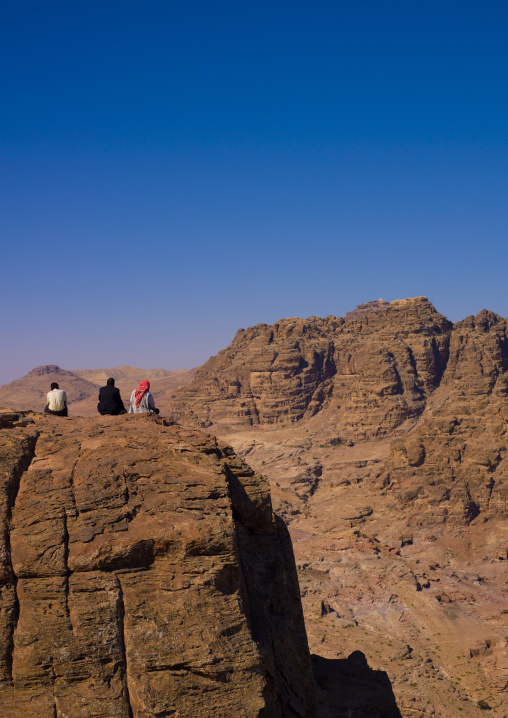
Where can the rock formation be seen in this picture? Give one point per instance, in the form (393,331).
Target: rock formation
(385,440)
(377,371)
(142,574)
(454,465)
(384,436)
(365,308)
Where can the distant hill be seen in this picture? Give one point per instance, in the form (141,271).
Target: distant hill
(82,386)
(30,391)
(163,383)
(128,373)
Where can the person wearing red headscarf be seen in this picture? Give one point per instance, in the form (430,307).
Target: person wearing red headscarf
(141,400)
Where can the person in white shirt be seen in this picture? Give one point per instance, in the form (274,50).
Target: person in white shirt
(57,401)
(142,401)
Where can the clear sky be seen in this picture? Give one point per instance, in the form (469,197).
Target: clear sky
(173,171)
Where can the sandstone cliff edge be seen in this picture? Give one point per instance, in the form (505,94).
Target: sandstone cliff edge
(143,574)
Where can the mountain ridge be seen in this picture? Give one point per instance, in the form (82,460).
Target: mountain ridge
(385,439)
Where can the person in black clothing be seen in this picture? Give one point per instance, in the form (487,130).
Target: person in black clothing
(110,401)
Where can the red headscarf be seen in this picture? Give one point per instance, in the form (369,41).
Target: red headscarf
(143,387)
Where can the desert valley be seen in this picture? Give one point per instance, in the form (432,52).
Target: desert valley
(379,439)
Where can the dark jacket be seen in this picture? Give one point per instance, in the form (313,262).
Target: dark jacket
(110,401)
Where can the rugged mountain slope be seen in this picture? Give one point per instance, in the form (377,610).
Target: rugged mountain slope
(454,464)
(143,573)
(376,371)
(384,438)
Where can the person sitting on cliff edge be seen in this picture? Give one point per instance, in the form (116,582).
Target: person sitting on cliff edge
(141,400)
(110,401)
(57,401)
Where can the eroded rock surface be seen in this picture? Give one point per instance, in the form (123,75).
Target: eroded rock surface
(454,465)
(142,575)
(376,371)
(385,440)
(366,307)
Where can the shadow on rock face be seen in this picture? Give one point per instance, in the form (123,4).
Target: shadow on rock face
(348,688)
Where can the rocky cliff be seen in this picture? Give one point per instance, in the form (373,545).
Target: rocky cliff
(385,438)
(142,574)
(454,465)
(399,367)
(376,370)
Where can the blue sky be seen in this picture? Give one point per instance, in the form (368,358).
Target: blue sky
(174,171)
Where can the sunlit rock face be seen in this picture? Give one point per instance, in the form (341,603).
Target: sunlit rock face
(375,371)
(385,439)
(143,574)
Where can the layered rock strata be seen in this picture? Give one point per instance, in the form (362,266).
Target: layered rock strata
(392,477)
(454,465)
(401,367)
(376,371)
(143,574)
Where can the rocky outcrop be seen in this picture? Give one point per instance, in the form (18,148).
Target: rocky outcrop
(393,363)
(142,574)
(374,372)
(392,476)
(384,438)
(454,464)
(366,307)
